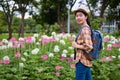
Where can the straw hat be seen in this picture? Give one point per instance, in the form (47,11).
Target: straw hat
(81,7)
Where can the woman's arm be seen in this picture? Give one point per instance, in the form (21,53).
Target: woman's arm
(75,45)
(87,40)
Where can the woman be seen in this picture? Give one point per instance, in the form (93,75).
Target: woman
(83,44)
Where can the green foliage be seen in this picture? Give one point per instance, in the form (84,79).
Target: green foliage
(116,34)
(51,11)
(93,2)
(2,19)
(3,29)
(16,21)
(95,23)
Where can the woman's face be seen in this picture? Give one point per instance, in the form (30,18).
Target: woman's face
(80,18)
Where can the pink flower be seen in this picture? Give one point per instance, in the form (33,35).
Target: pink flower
(15,46)
(52,39)
(109,48)
(29,40)
(17,54)
(44,56)
(110,58)
(57,67)
(13,40)
(1,42)
(116,45)
(72,65)
(71,38)
(6,61)
(45,40)
(103,59)
(63,32)
(57,73)
(106,39)
(62,57)
(70,59)
(1,61)
(21,41)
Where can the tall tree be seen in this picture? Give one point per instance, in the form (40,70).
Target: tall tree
(53,11)
(100,5)
(22,8)
(8,7)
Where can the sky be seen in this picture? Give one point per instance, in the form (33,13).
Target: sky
(75,5)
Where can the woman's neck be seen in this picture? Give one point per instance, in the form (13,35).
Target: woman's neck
(84,24)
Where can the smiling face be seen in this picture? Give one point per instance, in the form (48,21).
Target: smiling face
(80,18)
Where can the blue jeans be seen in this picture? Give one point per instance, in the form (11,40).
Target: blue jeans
(83,72)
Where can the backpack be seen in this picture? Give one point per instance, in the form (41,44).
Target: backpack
(97,40)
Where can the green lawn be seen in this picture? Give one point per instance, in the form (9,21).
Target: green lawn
(5,35)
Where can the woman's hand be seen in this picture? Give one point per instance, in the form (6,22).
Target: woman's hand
(74,45)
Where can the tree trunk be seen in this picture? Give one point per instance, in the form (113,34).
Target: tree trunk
(58,12)
(9,31)
(9,21)
(23,22)
(63,26)
(21,31)
(104,5)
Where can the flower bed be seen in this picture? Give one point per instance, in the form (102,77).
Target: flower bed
(51,58)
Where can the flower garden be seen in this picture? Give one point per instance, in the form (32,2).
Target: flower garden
(42,57)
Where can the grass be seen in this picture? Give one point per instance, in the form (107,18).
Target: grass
(15,35)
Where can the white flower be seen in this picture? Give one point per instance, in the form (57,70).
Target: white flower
(53,33)
(107,59)
(56,48)
(65,51)
(74,36)
(112,37)
(64,55)
(23,59)
(37,43)
(25,53)
(119,49)
(109,45)
(59,36)
(71,48)
(51,55)
(35,51)
(35,35)
(3,47)
(6,58)
(113,56)
(107,36)
(21,39)
(5,41)
(62,42)
(72,55)
(21,64)
(33,39)
(57,39)
(65,35)
(118,56)
(10,44)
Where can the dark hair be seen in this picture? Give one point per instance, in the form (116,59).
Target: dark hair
(86,14)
